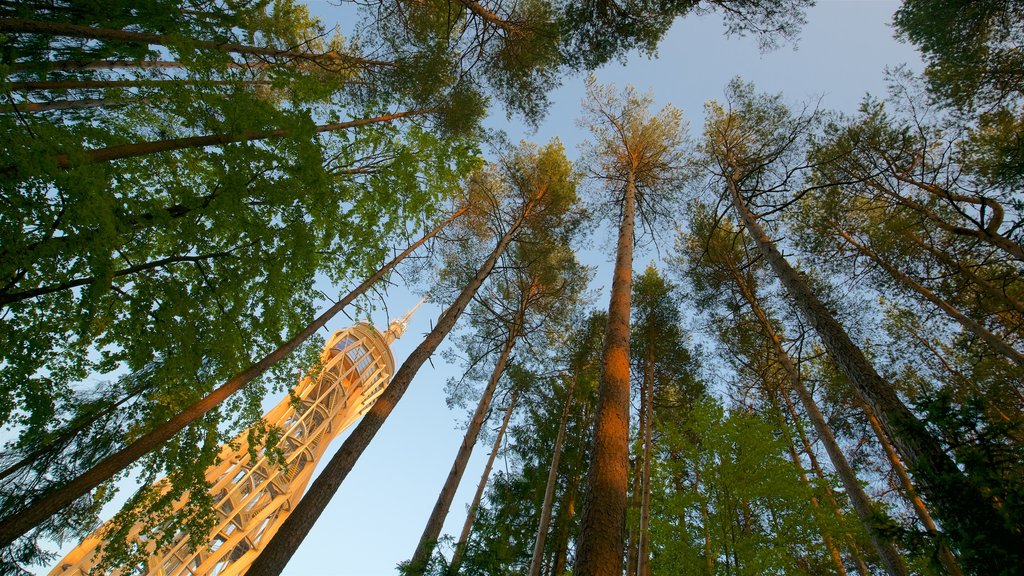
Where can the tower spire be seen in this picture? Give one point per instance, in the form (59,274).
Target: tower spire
(397,327)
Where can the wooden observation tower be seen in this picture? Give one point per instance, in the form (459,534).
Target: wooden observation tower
(252,498)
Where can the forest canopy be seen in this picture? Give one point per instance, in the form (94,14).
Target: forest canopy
(819,372)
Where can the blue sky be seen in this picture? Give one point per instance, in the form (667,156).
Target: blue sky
(379,512)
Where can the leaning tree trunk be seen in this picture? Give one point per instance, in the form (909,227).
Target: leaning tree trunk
(51,502)
(969,324)
(945,555)
(280,549)
(991,290)
(969,513)
(826,537)
(891,558)
(599,547)
(467,527)
(549,489)
(432,530)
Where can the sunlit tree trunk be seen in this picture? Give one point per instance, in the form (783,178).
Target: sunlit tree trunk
(549,489)
(945,556)
(467,527)
(599,549)
(432,529)
(837,559)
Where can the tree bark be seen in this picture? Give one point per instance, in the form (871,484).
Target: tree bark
(292,532)
(600,544)
(643,567)
(987,287)
(467,527)
(549,489)
(632,530)
(945,555)
(960,503)
(968,324)
(432,530)
(51,502)
(891,558)
(837,559)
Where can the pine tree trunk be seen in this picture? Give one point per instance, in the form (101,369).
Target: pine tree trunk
(837,559)
(851,543)
(600,544)
(891,558)
(958,500)
(987,287)
(995,342)
(567,509)
(280,549)
(38,510)
(467,527)
(632,529)
(549,489)
(432,530)
(945,556)
(643,563)
(709,561)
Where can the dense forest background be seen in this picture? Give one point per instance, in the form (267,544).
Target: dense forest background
(818,372)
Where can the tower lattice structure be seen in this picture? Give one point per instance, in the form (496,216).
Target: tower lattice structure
(253,497)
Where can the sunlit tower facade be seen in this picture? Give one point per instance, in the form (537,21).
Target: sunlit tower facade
(252,498)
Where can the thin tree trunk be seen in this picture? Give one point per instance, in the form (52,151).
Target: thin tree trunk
(987,287)
(549,489)
(632,530)
(142,148)
(567,510)
(467,527)
(709,561)
(51,502)
(22,26)
(280,549)
(851,543)
(837,559)
(432,530)
(599,548)
(995,342)
(969,511)
(945,555)
(643,563)
(7,299)
(891,558)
